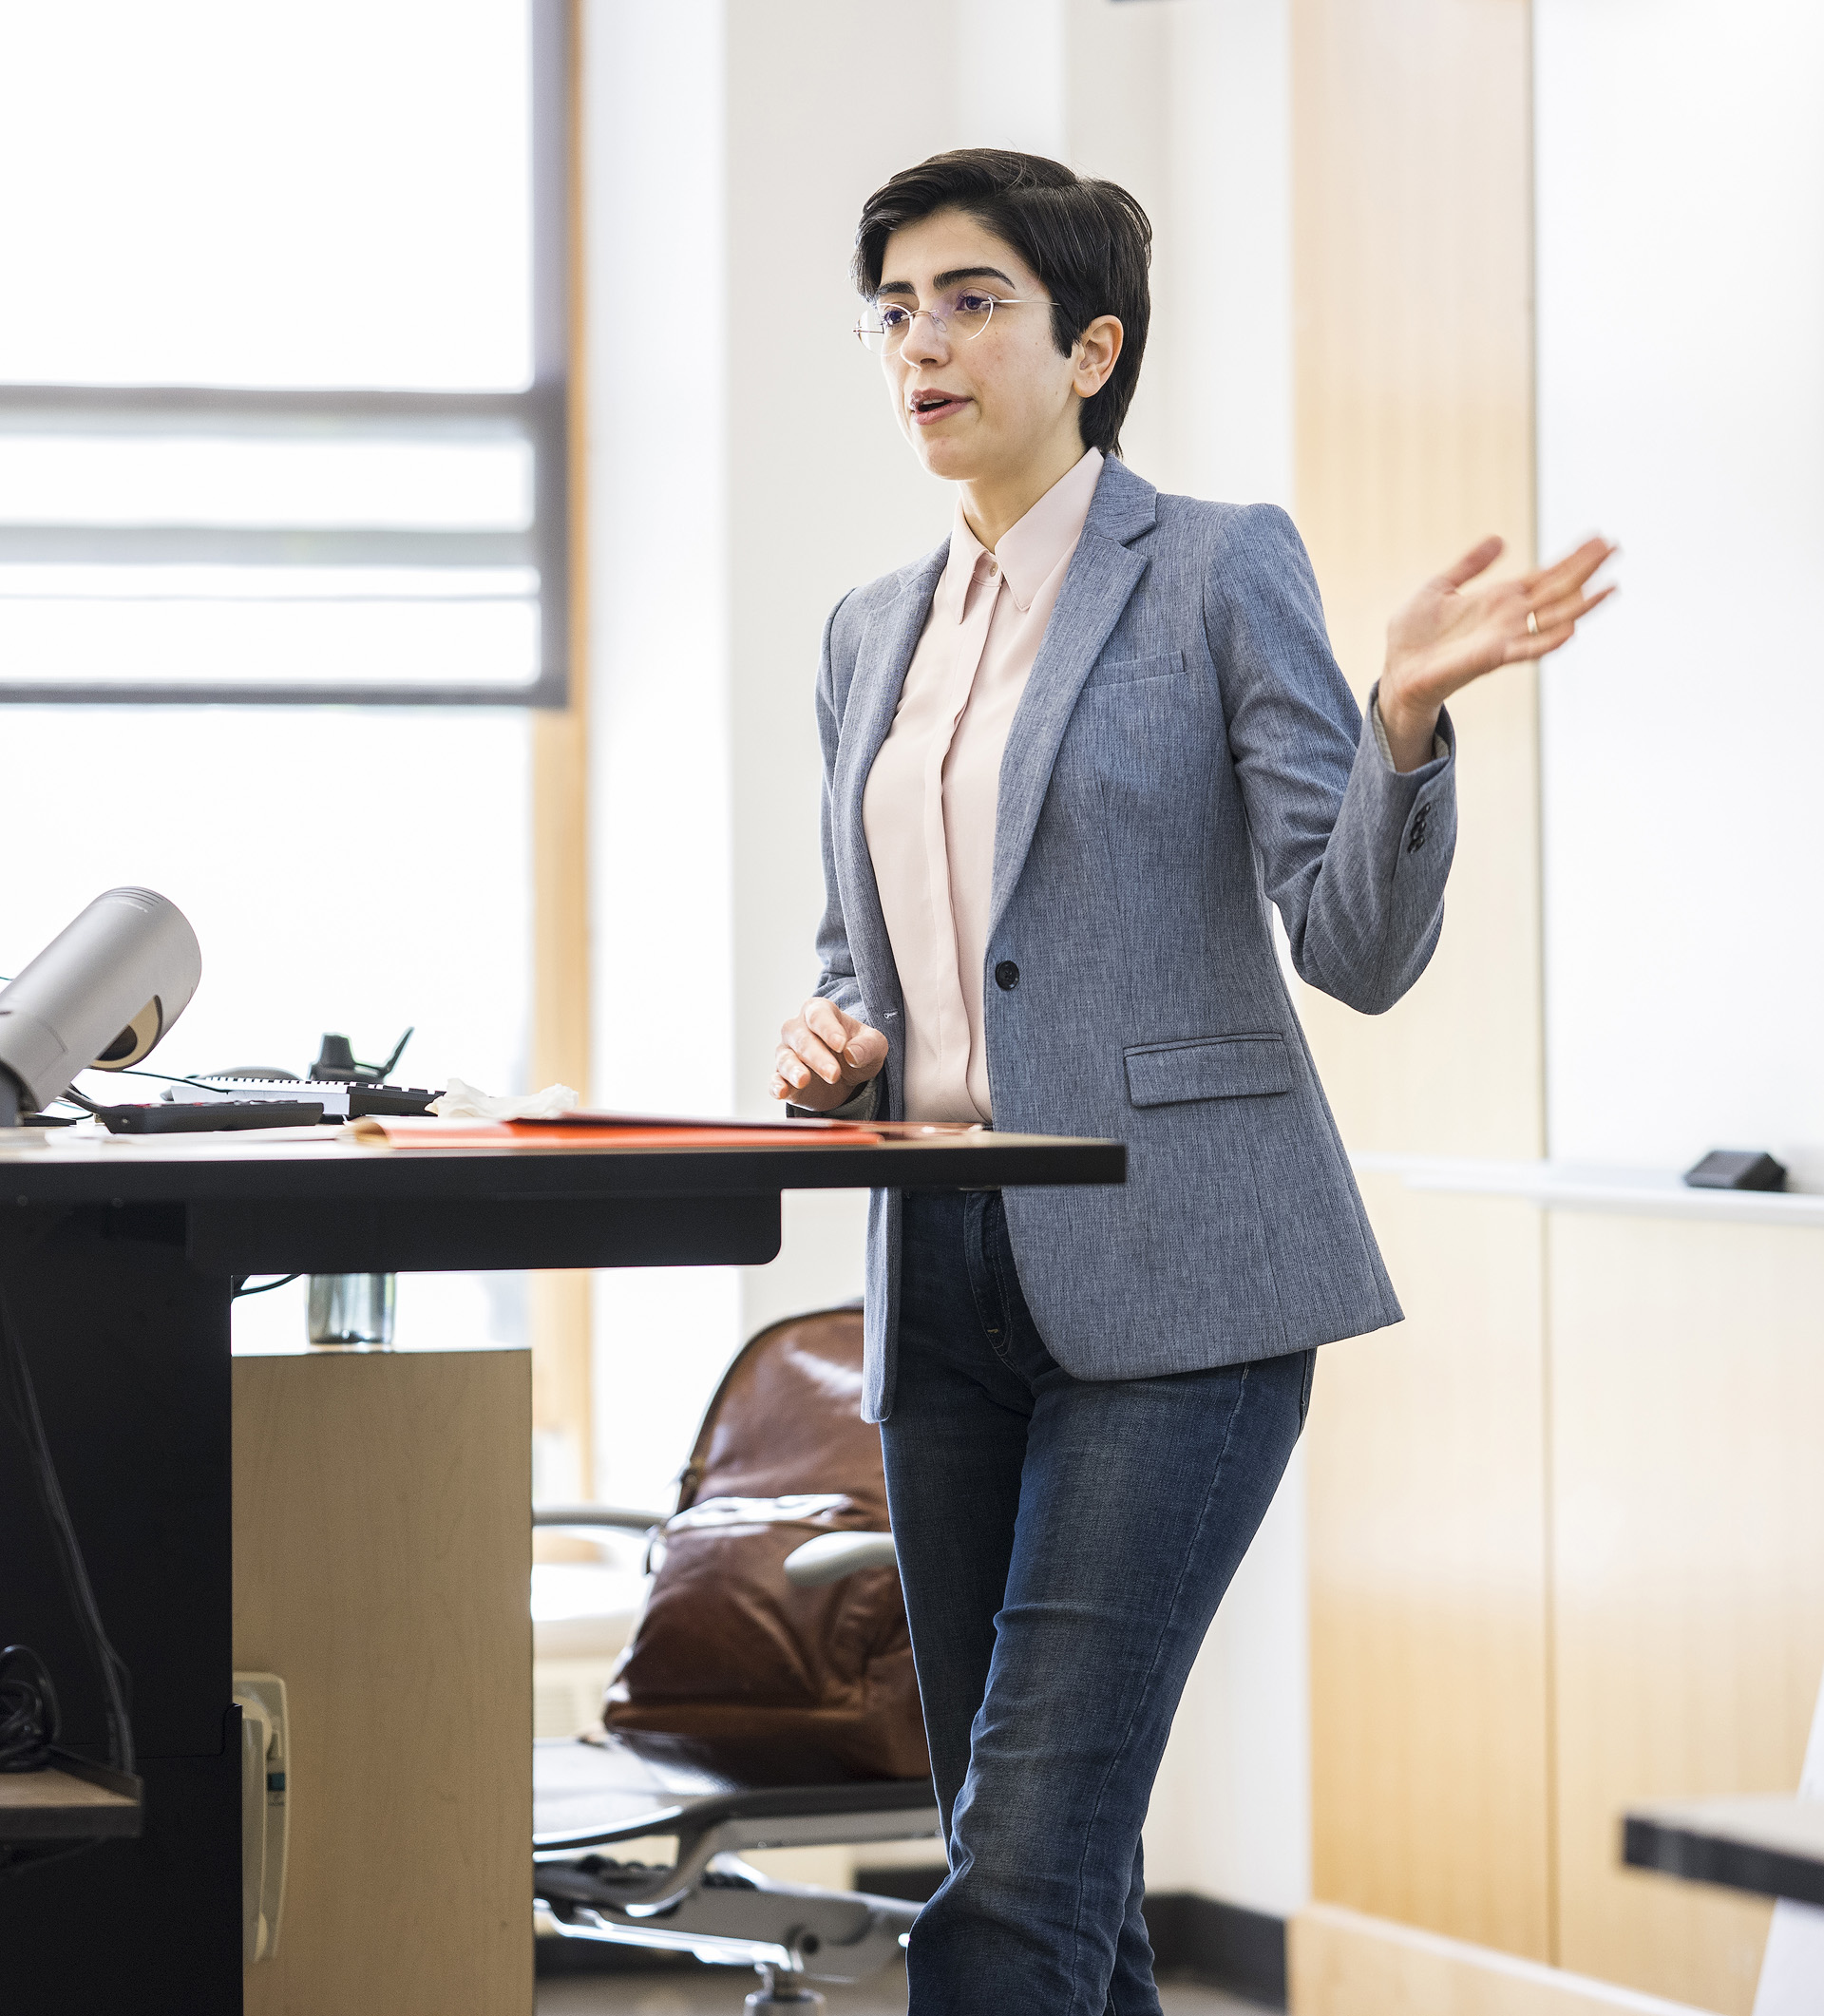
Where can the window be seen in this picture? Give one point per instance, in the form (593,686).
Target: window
(282,412)
(284,400)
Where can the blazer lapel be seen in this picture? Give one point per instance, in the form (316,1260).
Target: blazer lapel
(1103,576)
(881,666)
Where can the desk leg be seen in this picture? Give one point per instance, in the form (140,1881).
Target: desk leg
(129,1350)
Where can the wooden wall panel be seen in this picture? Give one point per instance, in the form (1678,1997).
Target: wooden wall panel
(1413,256)
(1427,1584)
(382,1559)
(1342,1964)
(1567,1545)
(1687,1380)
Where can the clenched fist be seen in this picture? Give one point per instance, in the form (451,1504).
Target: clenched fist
(824,1055)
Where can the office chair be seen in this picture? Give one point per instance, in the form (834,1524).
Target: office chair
(766,1699)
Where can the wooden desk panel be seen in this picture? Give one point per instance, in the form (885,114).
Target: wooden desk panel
(382,1569)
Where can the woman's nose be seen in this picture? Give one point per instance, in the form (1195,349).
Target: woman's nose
(926,340)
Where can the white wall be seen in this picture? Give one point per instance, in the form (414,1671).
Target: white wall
(746,470)
(1680,259)
(654,376)
(1231,1814)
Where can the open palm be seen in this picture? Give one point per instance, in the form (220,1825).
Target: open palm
(1452,633)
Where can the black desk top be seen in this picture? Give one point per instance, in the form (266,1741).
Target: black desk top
(1773,1846)
(40,1168)
(314,1201)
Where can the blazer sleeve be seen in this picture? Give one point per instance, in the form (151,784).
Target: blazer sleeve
(1353,853)
(836,979)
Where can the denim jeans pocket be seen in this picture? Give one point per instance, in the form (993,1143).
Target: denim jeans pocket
(1016,1341)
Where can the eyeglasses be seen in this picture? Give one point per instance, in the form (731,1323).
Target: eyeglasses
(883,326)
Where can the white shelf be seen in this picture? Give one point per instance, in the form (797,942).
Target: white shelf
(1567,1186)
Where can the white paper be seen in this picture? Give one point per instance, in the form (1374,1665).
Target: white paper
(464,1101)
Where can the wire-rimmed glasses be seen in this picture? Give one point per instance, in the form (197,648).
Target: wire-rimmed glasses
(962,314)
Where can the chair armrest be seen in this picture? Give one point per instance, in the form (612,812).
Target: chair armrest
(831,1556)
(586,1516)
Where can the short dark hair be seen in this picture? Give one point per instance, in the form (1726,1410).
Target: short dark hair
(1089,241)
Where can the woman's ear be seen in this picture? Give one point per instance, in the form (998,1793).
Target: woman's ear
(1095,353)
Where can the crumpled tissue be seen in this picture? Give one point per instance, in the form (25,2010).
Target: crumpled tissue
(464,1101)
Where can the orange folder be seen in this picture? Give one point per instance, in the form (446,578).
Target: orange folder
(590,1135)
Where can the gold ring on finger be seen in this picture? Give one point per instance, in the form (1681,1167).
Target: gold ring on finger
(1532,625)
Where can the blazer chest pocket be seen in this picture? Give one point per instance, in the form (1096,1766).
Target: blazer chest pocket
(1217,1067)
(1130,672)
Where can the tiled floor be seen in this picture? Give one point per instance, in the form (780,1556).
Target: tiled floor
(719,1991)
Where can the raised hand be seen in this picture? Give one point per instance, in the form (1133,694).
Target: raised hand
(1450,633)
(824,1056)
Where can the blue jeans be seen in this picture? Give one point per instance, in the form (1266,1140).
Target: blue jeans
(1064,1544)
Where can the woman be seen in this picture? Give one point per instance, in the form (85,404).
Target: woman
(1070,760)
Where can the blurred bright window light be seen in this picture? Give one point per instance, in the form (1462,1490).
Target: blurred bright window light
(213,480)
(209,192)
(287,298)
(309,636)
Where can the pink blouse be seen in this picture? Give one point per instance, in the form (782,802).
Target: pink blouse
(929,807)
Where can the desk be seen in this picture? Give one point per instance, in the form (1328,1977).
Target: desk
(117,1258)
(1774,1847)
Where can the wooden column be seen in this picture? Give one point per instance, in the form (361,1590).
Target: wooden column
(1430,1736)
(1412,303)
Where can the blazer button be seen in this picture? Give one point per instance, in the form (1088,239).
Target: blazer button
(1006,975)
(1416,839)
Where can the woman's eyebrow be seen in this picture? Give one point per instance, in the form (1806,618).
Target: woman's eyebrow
(972,273)
(948,279)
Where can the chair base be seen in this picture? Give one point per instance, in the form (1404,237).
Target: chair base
(770,1995)
(591,1798)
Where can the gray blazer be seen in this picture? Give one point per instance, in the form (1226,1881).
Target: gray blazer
(1186,753)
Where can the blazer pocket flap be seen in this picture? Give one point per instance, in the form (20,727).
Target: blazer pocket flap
(1124,672)
(1218,1067)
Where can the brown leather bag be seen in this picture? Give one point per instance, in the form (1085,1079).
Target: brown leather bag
(733,1668)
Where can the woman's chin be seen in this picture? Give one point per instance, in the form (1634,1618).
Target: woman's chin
(953,461)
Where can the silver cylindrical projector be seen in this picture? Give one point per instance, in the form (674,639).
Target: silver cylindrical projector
(99,996)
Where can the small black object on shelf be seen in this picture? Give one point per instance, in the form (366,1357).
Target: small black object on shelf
(336,1063)
(1737,1168)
